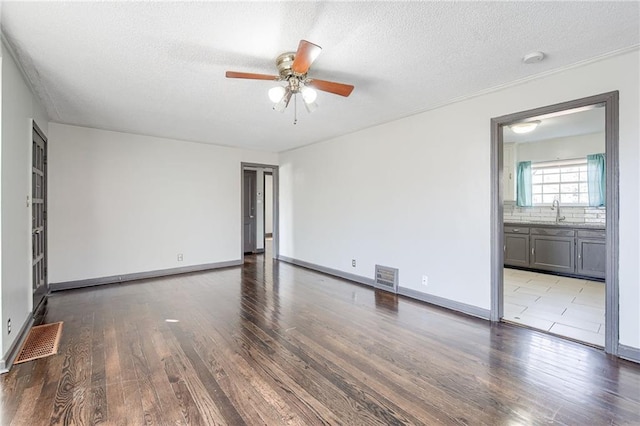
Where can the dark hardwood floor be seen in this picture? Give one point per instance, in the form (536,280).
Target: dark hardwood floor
(273,344)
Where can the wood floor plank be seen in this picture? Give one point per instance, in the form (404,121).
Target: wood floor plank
(292,402)
(124,332)
(72,394)
(363,399)
(98,394)
(116,410)
(206,404)
(227,409)
(255,396)
(24,413)
(181,391)
(46,399)
(270,343)
(151,407)
(155,368)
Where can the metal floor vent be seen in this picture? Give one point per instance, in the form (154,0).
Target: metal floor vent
(42,341)
(386,278)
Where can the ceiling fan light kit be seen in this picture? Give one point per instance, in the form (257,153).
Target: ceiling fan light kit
(292,69)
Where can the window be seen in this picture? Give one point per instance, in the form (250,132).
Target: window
(565,181)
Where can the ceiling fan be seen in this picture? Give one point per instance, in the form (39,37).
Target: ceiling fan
(292,69)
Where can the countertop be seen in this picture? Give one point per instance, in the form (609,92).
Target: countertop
(598,226)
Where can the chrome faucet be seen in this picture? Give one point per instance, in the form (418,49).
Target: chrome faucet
(556,206)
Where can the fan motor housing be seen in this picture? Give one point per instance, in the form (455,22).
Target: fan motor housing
(284,63)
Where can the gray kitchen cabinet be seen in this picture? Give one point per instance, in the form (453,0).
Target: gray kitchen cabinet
(591,253)
(553,250)
(561,249)
(516,246)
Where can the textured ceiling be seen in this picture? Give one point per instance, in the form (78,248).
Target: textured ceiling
(157,68)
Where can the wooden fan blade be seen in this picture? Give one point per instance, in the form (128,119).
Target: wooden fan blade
(331,87)
(306,54)
(252,76)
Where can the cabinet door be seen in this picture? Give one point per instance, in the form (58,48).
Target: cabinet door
(553,253)
(591,259)
(516,250)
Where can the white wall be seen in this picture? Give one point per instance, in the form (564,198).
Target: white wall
(561,148)
(122,203)
(19,107)
(416,193)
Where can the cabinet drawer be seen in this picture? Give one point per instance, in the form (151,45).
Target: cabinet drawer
(555,232)
(588,233)
(516,230)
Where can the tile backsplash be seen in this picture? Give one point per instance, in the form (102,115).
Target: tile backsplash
(590,215)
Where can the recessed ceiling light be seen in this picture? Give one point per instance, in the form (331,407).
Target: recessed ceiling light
(533,57)
(527,127)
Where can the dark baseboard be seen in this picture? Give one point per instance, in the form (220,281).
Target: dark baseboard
(407,292)
(329,271)
(140,275)
(445,303)
(629,353)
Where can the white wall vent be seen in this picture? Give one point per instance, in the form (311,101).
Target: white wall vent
(386,278)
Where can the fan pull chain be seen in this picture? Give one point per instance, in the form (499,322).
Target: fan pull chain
(295,109)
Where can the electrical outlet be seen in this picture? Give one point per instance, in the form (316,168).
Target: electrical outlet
(425,280)
(180,257)
(9,326)
(353,263)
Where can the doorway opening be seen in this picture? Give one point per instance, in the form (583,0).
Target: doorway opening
(259,210)
(554,225)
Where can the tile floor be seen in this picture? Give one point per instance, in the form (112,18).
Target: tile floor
(568,307)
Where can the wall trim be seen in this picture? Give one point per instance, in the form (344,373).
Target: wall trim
(629,353)
(464,308)
(330,271)
(7,361)
(403,291)
(67,285)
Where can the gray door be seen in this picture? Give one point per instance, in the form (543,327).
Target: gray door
(249,210)
(39,217)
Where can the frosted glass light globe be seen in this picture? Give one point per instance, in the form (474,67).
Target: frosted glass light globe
(308,94)
(276,94)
